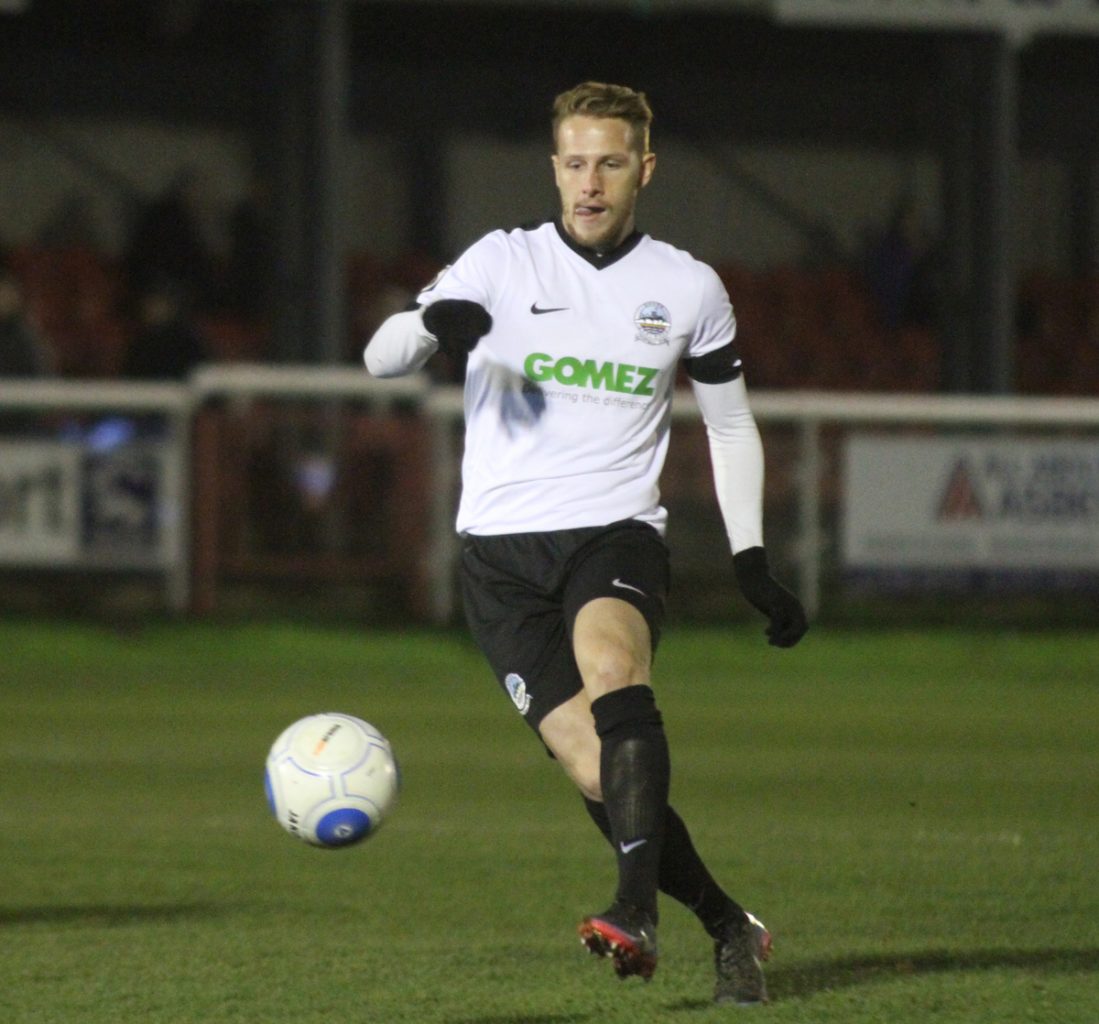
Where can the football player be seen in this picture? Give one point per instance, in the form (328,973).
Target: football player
(572,332)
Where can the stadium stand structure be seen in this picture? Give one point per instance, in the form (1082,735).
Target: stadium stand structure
(1058,335)
(813,328)
(818,329)
(77,298)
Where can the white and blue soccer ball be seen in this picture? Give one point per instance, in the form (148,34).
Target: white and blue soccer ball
(331,779)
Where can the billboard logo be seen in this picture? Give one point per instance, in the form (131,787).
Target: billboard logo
(33,500)
(960,499)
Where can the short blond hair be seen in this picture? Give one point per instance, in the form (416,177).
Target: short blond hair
(599,99)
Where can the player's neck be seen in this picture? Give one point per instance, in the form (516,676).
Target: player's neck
(598,257)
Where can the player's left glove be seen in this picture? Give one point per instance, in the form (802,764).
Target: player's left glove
(753,575)
(457,324)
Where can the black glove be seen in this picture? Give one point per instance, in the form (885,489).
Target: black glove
(788,623)
(457,324)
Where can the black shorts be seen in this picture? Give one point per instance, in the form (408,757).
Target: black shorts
(522,592)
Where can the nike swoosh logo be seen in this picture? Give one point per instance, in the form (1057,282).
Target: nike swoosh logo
(616,582)
(627,847)
(538,310)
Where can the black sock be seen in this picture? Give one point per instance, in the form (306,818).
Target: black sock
(683,875)
(634,772)
(685,878)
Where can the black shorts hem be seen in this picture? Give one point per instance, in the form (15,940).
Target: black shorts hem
(522,593)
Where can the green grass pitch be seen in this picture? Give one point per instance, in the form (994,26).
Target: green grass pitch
(914,814)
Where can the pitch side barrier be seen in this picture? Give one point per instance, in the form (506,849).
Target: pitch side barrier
(810,413)
(101,481)
(225,397)
(193,446)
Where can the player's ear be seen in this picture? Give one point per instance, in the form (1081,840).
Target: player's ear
(556,167)
(648,165)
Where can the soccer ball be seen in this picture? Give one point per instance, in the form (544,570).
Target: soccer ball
(331,779)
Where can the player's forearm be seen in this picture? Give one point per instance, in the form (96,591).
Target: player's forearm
(400,345)
(736,454)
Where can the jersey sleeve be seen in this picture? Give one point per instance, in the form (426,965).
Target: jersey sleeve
(712,355)
(736,454)
(402,344)
(473,276)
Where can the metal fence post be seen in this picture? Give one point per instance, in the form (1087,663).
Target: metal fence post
(812,541)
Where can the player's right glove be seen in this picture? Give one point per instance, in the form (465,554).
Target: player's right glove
(753,575)
(457,324)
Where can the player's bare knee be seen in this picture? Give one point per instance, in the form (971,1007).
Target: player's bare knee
(612,667)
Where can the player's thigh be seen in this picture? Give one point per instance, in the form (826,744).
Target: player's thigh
(628,562)
(612,645)
(615,605)
(519,628)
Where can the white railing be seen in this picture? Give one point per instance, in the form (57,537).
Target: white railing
(441,407)
(813,410)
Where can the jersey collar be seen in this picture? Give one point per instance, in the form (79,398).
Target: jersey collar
(596,259)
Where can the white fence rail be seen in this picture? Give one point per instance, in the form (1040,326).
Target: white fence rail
(808,412)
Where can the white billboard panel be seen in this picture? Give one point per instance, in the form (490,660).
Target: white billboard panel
(1019,18)
(39,502)
(70,504)
(949,503)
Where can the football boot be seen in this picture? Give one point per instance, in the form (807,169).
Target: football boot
(627,935)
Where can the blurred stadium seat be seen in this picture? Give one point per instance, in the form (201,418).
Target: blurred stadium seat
(1058,335)
(232,339)
(798,327)
(72,297)
(817,329)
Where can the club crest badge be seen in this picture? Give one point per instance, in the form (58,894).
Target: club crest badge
(653,322)
(517,690)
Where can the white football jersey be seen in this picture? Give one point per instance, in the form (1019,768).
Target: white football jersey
(568,397)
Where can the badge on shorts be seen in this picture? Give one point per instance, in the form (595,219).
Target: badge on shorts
(653,322)
(517,690)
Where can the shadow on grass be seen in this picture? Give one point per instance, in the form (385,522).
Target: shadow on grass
(103,914)
(526,1018)
(800,980)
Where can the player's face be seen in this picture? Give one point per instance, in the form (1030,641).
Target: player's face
(599,173)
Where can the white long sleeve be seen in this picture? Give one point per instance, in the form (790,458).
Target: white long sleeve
(400,345)
(736,454)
